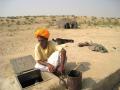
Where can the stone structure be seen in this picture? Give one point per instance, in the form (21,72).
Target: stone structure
(67,24)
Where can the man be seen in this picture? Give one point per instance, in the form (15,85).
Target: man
(49,56)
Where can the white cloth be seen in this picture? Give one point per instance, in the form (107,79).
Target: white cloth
(53,59)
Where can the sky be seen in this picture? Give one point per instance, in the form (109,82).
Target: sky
(99,8)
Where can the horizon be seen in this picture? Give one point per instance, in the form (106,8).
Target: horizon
(57,16)
(97,8)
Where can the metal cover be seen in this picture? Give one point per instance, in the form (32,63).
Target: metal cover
(23,64)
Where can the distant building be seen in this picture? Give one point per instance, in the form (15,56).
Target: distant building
(67,24)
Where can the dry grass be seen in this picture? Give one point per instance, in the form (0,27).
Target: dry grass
(18,40)
(51,21)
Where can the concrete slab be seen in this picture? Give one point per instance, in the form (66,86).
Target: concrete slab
(52,84)
(23,66)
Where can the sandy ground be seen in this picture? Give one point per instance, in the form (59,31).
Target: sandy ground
(97,65)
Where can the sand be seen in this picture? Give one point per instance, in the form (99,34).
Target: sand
(17,43)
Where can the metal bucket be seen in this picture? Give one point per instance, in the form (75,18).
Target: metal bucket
(74,80)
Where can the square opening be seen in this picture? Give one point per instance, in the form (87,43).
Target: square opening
(29,78)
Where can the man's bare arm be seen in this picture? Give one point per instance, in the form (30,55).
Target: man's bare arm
(42,62)
(50,67)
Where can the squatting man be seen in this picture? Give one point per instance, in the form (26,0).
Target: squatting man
(48,55)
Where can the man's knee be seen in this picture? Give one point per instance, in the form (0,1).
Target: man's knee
(63,51)
(63,56)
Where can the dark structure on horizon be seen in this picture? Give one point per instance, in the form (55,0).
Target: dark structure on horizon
(67,24)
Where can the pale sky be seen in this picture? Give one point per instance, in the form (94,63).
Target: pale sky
(100,8)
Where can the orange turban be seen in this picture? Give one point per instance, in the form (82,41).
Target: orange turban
(42,32)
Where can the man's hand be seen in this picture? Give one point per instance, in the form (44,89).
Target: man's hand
(51,68)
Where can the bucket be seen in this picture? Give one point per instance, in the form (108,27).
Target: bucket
(74,80)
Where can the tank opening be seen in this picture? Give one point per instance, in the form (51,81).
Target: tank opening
(30,78)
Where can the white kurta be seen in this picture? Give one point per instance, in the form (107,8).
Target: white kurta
(53,60)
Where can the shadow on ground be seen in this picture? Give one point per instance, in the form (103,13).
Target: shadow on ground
(83,66)
(117,87)
(88,83)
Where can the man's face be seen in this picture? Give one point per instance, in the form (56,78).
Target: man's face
(43,42)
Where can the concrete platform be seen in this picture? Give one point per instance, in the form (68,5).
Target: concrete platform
(51,82)
(26,77)
(97,75)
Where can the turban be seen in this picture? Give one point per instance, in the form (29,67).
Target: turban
(42,32)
